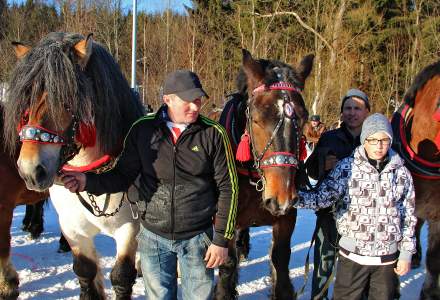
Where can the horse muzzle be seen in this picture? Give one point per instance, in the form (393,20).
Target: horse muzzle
(37,176)
(276,208)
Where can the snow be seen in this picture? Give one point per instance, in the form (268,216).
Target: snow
(46,274)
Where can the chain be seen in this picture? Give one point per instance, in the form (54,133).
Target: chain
(101,213)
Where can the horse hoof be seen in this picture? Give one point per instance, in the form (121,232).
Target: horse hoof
(9,289)
(10,296)
(25,227)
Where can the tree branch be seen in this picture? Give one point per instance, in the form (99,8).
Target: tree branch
(303,24)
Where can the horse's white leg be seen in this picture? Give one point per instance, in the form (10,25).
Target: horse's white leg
(8,275)
(124,273)
(79,232)
(86,264)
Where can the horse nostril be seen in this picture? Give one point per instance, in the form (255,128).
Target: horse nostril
(266,201)
(271,205)
(40,173)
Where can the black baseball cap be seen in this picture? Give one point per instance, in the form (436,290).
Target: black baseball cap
(185,84)
(315,118)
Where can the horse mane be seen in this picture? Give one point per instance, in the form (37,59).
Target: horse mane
(421,79)
(290,75)
(98,95)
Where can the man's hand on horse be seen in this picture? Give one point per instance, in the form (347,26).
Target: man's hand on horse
(215,256)
(74,181)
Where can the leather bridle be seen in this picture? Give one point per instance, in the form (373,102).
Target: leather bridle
(266,159)
(40,135)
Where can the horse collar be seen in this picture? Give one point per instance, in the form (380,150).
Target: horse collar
(417,165)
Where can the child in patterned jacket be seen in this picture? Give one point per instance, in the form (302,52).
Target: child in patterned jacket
(375,216)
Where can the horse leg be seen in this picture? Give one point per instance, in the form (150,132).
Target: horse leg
(431,286)
(243,243)
(36,225)
(63,244)
(123,275)
(85,266)
(417,257)
(282,287)
(225,288)
(27,217)
(8,275)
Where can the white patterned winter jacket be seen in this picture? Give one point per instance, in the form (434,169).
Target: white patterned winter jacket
(374,211)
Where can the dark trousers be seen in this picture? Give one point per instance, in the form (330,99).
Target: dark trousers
(325,251)
(353,279)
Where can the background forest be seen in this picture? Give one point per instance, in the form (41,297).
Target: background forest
(376,45)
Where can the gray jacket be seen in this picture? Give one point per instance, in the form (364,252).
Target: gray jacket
(374,211)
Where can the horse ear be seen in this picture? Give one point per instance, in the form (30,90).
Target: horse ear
(253,70)
(83,50)
(20,49)
(305,66)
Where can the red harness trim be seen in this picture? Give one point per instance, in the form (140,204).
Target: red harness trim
(407,113)
(90,167)
(278,86)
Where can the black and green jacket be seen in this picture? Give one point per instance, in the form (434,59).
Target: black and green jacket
(184,185)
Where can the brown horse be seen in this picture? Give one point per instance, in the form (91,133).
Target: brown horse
(417,126)
(72,107)
(270,111)
(13,192)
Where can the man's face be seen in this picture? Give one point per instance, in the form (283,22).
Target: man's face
(354,112)
(181,111)
(377,145)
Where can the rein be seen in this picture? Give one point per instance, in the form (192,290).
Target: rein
(417,165)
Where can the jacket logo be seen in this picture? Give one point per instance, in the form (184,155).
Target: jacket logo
(195,149)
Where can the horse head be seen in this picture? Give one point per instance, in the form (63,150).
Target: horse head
(66,96)
(424,98)
(276,114)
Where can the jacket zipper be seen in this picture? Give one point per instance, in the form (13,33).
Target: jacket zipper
(172,191)
(375,213)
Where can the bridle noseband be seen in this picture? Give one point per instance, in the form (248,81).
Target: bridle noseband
(276,159)
(40,135)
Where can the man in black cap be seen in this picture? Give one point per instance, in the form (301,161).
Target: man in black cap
(333,146)
(187,179)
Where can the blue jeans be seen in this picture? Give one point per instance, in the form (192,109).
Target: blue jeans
(159,266)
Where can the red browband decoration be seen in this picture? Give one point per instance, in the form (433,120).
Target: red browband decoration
(278,86)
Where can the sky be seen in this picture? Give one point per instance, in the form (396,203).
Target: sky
(152,6)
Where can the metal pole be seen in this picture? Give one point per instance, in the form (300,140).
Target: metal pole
(133,47)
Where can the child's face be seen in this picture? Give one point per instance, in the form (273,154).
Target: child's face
(377,145)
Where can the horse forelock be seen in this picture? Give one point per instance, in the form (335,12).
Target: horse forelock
(270,76)
(419,82)
(99,94)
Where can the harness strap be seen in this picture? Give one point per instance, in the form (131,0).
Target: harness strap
(418,166)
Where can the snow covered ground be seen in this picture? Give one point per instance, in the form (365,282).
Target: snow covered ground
(46,274)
